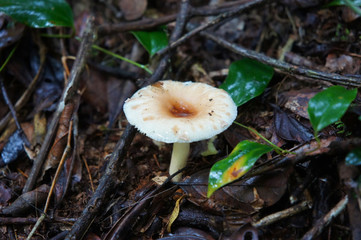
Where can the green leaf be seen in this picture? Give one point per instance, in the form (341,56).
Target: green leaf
(241,159)
(354,157)
(152,41)
(40,13)
(342,3)
(246,79)
(329,106)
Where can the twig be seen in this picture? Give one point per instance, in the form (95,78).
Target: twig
(323,222)
(219,19)
(30,220)
(57,173)
(13,112)
(110,179)
(68,94)
(283,66)
(272,218)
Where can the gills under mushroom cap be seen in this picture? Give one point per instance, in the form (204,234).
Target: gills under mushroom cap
(170,111)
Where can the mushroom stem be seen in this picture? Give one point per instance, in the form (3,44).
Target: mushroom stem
(179,159)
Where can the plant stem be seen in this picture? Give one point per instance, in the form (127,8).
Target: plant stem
(275,147)
(9,56)
(122,58)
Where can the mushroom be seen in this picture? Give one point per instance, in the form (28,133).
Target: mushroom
(180,113)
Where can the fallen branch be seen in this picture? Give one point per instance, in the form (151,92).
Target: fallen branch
(283,66)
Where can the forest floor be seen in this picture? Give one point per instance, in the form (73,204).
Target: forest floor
(113,181)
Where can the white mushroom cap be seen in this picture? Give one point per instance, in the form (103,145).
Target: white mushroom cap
(170,111)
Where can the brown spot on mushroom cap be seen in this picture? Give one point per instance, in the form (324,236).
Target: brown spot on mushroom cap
(148,118)
(180,111)
(135,106)
(175,129)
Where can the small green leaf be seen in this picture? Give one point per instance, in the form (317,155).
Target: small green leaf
(241,159)
(40,13)
(329,106)
(246,79)
(342,3)
(152,41)
(354,157)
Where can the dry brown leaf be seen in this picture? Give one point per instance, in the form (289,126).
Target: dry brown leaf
(133,9)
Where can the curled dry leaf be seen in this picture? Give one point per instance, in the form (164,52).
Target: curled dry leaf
(245,196)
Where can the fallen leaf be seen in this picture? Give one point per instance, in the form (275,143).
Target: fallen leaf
(27,201)
(133,9)
(289,128)
(297,100)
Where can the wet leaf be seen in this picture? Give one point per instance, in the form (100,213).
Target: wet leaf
(354,157)
(152,41)
(39,14)
(329,106)
(241,159)
(246,79)
(289,128)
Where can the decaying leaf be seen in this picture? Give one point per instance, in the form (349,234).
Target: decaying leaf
(289,128)
(27,201)
(60,138)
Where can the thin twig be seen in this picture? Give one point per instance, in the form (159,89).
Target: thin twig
(283,66)
(272,218)
(68,94)
(13,112)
